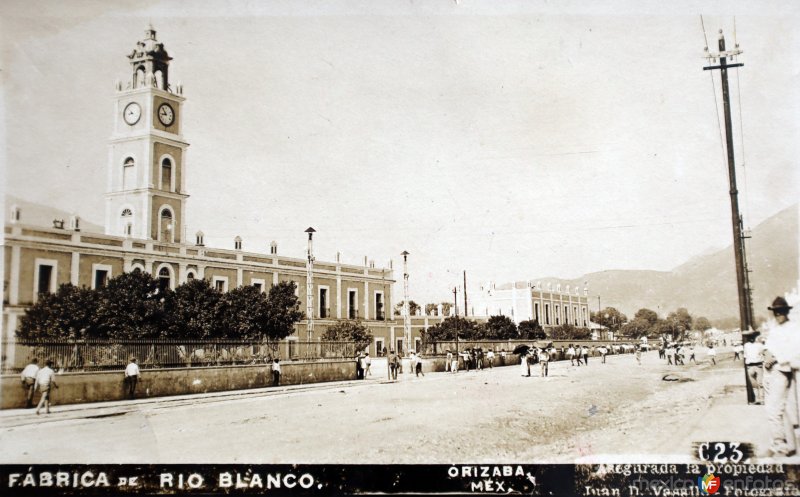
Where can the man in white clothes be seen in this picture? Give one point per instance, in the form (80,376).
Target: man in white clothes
(753,351)
(781,360)
(45,381)
(132,377)
(28,379)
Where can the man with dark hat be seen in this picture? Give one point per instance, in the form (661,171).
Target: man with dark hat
(782,356)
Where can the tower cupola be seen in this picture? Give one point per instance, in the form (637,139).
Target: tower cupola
(150,62)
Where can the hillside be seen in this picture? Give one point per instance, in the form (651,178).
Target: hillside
(706,284)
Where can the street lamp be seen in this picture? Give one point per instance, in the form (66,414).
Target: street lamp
(310,289)
(406,317)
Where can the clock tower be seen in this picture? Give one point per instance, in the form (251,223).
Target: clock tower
(146,192)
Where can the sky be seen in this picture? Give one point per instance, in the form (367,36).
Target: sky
(511,140)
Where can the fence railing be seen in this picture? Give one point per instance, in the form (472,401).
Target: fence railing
(97,355)
(441,348)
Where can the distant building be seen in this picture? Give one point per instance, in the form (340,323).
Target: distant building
(145,225)
(550,304)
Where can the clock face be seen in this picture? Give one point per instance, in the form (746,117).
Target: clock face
(165,114)
(132,113)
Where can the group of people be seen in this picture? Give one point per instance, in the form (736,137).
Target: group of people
(473,358)
(675,353)
(42,379)
(33,379)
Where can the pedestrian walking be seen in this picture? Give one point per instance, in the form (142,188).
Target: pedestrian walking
(276,372)
(781,360)
(662,351)
(691,354)
(45,382)
(753,354)
(490,358)
(28,379)
(479,364)
(448,362)
(394,364)
(712,353)
(638,352)
(679,355)
(603,353)
(418,366)
(524,364)
(453,362)
(585,351)
(571,355)
(544,360)
(670,354)
(132,377)
(367,364)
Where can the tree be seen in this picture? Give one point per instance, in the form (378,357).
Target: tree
(500,328)
(531,330)
(569,332)
(446,330)
(412,308)
(680,321)
(702,324)
(243,314)
(610,317)
(132,306)
(636,328)
(69,313)
(349,331)
(194,311)
(650,316)
(284,311)
(431,309)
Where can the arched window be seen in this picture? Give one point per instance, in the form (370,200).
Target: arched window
(189,276)
(128,174)
(166,231)
(126,222)
(163,278)
(166,174)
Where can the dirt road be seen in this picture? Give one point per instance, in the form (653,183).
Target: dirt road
(585,413)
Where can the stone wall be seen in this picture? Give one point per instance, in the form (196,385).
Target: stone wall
(77,388)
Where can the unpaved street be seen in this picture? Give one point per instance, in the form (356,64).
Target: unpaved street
(577,413)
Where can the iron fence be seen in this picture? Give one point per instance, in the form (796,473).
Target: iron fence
(441,348)
(110,355)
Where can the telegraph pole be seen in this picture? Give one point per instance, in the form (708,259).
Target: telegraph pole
(745,313)
(466,308)
(310,289)
(455,311)
(406,316)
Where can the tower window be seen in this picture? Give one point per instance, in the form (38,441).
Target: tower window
(379,314)
(323,303)
(166,175)
(164,278)
(165,231)
(352,304)
(128,174)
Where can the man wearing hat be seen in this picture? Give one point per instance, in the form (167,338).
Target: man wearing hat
(782,356)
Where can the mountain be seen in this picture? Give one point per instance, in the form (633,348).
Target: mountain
(43,215)
(706,284)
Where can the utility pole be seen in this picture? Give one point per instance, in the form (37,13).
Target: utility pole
(310,291)
(466,308)
(455,311)
(406,316)
(745,313)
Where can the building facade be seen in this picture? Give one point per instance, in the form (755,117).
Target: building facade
(550,304)
(145,205)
